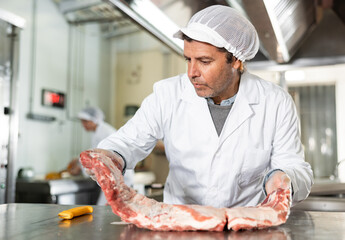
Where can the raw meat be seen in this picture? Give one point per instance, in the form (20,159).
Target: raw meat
(148,213)
(145,212)
(273,211)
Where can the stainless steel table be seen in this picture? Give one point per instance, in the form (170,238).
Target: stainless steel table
(40,221)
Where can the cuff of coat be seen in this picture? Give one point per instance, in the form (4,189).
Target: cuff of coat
(268,176)
(124,162)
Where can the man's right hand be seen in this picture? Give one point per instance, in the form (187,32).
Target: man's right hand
(116,160)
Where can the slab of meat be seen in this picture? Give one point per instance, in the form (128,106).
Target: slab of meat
(145,212)
(148,213)
(273,211)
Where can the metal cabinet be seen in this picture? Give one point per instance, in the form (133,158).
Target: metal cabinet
(60,191)
(10,26)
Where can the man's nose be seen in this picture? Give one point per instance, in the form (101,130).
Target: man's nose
(193,70)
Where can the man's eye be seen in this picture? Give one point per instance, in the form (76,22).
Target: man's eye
(187,59)
(205,62)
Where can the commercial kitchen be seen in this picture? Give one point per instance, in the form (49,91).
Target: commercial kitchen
(60,56)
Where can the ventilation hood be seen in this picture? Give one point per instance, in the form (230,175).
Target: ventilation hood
(298,32)
(122,14)
(302,32)
(281,25)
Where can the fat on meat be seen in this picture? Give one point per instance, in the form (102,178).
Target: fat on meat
(147,213)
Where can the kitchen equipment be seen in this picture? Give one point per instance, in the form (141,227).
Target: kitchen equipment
(26,173)
(10,26)
(78,190)
(321,204)
(325,196)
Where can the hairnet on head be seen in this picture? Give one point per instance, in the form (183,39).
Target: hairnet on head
(223,27)
(91,114)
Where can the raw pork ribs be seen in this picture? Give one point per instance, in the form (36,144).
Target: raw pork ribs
(148,213)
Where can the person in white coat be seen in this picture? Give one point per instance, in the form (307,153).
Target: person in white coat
(230,137)
(92,119)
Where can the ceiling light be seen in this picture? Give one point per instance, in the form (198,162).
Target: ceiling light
(294,75)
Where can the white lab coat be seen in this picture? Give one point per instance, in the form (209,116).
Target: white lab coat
(261,133)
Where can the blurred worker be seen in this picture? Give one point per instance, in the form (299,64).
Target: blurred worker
(92,119)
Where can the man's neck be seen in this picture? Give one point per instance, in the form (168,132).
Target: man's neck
(218,99)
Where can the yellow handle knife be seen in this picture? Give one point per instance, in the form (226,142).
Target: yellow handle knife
(75,212)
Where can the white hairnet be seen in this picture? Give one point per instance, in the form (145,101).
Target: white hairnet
(93,114)
(223,27)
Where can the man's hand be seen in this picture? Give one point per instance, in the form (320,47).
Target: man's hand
(115,158)
(278,179)
(74,167)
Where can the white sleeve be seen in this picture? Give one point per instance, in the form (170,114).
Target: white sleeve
(287,151)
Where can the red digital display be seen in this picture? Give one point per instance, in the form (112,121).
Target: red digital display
(53,98)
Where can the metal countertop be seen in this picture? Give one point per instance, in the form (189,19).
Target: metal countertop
(41,221)
(328,188)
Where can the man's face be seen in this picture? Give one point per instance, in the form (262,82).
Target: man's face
(89,125)
(209,71)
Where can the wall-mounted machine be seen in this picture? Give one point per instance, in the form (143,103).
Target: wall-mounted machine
(51,98)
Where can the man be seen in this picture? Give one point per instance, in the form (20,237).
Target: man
(229,136)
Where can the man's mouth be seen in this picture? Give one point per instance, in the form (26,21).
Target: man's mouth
(197,85)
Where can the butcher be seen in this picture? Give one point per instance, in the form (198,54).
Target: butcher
(230,137)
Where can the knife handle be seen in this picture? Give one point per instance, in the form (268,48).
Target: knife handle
(75,212)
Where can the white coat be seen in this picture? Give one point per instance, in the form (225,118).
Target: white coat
(261,133)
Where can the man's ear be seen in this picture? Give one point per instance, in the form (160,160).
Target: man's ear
(238,64)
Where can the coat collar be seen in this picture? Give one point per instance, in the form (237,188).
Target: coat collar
(248,89)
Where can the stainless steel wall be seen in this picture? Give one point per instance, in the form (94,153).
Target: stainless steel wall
(317,109)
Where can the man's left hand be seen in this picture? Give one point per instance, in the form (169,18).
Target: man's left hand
(278,179)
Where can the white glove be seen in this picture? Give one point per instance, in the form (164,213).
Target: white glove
(278,179)
(116,160)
